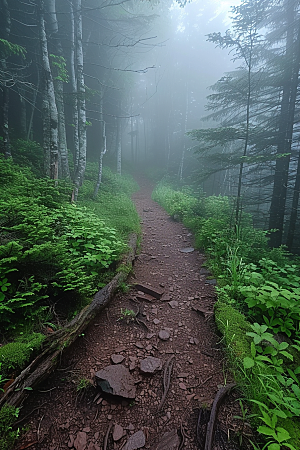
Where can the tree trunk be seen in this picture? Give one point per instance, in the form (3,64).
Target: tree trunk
(73,81)
(285,133)
(59,90)
(295,202)
(119,147)
(102,146)
(5,90)
(79,174)
(50,116)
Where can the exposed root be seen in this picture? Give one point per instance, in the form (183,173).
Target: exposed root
(166,380)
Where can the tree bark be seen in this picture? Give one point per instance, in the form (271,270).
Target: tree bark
(285,133)
(119,147)
(59,91)
(102,146)
(50,115)
(5,90)
(80,169)
(73,81)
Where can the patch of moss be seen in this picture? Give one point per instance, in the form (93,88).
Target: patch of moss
(15,355)
(233,325)
(8,436)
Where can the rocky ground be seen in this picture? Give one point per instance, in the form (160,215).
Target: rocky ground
(156,350)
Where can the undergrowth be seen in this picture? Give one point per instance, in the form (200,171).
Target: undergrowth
(258,309)
(54,255)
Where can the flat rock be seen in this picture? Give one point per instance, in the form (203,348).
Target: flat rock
(117,359)
(145,297)
(183,375)
(156,321)
(116,380)
(154,292)
(139,345)
(118,432)
(182,386)
(204,271)
(169,441)
(187,250)
(137,440)
(194,341)
(150,364)
(212,282)
(150,335)
(164,335)
(80,441)
(173,304)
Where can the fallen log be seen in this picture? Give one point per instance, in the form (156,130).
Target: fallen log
(45,363)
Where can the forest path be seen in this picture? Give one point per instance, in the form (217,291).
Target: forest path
(59,413)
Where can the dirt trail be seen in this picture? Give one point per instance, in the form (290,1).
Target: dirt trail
(57,412)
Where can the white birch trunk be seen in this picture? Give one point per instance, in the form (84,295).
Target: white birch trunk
(5,91)
(119,147)
(50,116)
(59,94)
(79,174)
(73,81)
(102,147)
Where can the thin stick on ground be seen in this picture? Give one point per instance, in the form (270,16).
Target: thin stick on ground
(106,437)
(166,380)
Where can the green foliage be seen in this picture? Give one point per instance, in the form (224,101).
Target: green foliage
(60,65)
(83,384)
(8,48)
(127,314)
(8,436)
(29,154)
(15,355)
(49,247)
(256,284)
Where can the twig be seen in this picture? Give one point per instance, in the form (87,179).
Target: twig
(106,437)
(48,390)
(200,384)
(166,380)
(25,417)
(38,430)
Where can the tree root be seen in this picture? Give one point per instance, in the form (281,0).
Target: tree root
(211,419)
(166,380)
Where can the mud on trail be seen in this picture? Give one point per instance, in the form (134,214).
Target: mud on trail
(62,416)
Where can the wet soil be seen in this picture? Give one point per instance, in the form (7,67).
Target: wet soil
(68,406)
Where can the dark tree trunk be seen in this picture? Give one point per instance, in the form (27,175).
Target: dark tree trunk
(285,132)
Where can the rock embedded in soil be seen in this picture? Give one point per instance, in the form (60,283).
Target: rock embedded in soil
(164,335)
(154,292)
(80,441)
(173,304)
(150,364)
(137,440)
(118,432)
(116,380)
(169,441)
(117,359)
(187,250)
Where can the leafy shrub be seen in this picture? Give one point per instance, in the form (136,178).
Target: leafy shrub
(48,246)
(8,436)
